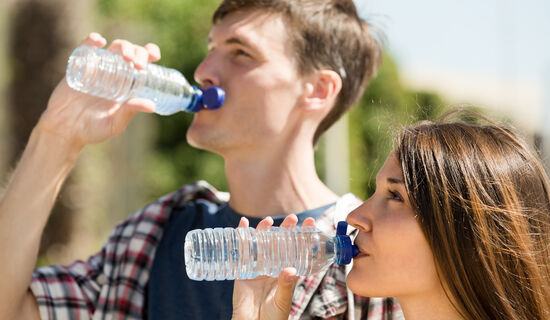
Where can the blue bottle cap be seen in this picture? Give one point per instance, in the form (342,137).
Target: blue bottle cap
(343,241)
(213,98)
(341,228)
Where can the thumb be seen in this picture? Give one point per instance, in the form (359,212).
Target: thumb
(134,105)
(128,110)
(285,289)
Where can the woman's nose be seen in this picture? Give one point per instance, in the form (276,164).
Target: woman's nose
(359,218)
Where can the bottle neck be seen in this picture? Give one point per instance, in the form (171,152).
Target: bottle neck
(195,105)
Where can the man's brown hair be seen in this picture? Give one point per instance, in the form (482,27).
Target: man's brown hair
(325,34)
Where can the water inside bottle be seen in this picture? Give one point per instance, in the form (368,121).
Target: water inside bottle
(244,253)
(107,75)
(168,89)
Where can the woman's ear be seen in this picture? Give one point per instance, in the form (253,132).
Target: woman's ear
(322,89)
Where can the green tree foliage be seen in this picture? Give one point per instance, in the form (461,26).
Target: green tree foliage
(180,28)
(384,108)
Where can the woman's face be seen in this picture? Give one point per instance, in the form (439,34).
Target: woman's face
(395,259)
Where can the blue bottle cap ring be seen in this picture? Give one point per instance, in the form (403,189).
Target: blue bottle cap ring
(197,106)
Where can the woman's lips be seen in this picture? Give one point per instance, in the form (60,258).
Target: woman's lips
(362,251)
(361,255)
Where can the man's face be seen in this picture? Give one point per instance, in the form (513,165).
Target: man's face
(250,57)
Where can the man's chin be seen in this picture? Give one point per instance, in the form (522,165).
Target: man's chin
(201,138)
(196,141)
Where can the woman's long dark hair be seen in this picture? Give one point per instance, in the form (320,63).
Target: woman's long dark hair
(482,201)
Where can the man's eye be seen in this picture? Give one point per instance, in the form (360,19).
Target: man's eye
(240,52)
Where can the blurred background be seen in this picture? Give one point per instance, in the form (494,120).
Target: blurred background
(491,56)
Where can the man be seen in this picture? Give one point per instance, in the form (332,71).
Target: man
(290,69)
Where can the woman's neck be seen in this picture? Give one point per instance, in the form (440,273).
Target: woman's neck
(436,306)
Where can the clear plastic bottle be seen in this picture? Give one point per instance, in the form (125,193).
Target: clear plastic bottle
(246,253)
(107,75)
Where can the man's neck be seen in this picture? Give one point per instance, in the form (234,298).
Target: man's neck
(277,183)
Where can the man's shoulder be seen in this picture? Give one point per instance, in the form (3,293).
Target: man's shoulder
(157,213)
(200,190)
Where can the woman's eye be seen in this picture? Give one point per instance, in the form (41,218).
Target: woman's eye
(394,196)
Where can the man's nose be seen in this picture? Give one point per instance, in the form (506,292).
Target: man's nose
(206,74)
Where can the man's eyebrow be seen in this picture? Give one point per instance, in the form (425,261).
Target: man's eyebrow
(394,180)
(235,40)
(232,40)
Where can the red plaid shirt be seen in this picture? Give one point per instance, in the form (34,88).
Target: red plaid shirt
(112,283)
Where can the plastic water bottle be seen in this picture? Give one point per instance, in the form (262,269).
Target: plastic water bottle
(107,75)
(246,253)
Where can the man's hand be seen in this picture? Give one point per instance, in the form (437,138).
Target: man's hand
(71,121)
(80,119)
(264,297)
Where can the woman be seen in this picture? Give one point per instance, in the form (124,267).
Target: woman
(458,228)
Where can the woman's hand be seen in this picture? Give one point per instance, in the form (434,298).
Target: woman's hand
(80,119)
(264,297)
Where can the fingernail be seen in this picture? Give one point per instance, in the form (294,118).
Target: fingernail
(290,276)
(243,221)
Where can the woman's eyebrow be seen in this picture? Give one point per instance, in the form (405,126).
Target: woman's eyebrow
(394,180)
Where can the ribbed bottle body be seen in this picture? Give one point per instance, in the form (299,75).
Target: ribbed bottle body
(103,74)
(246,253)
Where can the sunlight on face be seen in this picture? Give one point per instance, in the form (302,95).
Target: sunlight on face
(250,56)
(395,259)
